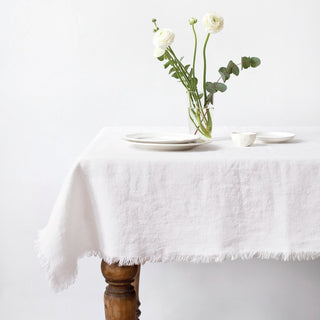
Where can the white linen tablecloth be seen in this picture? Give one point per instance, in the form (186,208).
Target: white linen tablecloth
(212,203)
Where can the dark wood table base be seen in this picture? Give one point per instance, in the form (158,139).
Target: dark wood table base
(121,298)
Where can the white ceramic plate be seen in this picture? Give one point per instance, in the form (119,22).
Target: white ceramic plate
(169,146)
(165,137)
(275,137)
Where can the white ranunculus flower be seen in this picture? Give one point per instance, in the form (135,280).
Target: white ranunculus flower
(163,38)
(158,52)
(212,22)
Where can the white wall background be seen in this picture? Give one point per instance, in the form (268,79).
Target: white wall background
(70,67)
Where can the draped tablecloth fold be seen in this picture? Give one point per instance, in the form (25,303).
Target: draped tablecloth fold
(212,203)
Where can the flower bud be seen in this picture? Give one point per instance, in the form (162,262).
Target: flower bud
(192,21)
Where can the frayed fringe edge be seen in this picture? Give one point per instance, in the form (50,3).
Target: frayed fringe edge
(125,261)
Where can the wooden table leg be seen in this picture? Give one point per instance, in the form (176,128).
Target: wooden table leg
(136,288)
(120,300)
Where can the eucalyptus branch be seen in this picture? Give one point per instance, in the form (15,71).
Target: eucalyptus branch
(225,73)
(174,64)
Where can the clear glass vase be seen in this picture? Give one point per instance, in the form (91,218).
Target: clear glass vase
(200,118)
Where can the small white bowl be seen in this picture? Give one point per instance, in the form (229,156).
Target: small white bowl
(243,139)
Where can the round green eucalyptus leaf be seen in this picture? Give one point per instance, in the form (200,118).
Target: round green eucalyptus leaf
(235,70)
(224,74)
(254,62)
(245,62)
(220,86)
(210,87)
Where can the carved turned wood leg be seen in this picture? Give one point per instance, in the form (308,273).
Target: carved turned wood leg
(120,300)
(136,288)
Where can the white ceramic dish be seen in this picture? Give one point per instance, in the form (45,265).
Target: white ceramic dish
(169,146)
(243,139)
(161,137)
(275,137)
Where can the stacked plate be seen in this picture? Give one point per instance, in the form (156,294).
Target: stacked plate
(164,141)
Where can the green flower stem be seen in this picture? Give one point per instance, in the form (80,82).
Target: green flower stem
(201,127)
(204,125)
(194,61)
(177,69)
(173,58)
(186,75)
(195,51)
(181,76)
(194,101)
(198,118)
(178,62)
(208,121)
(205,69)
(193,121)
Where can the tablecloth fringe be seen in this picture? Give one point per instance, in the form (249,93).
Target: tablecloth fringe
(59,283)
(282,256)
